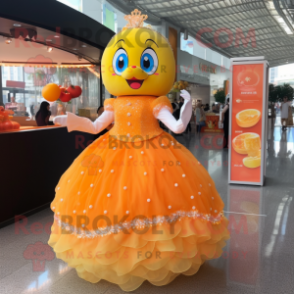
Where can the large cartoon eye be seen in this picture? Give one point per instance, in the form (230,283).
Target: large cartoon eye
(149,61)
(120,61)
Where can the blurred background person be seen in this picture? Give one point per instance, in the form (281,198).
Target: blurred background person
(43,115)
(32,110)
(225,120)
(214,108)
(178,110)
(285,113)
(189,128)
(175,106)
(200,117)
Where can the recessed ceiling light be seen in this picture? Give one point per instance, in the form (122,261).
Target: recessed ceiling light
(17,25)
(8,41)
(56,36)
(84,45)
(49,49)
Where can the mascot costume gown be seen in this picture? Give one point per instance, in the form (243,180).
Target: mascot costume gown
(136,205)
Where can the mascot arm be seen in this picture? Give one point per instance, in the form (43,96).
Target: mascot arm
(83,124)
(180,125)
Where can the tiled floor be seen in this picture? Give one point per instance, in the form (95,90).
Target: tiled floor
(259,258)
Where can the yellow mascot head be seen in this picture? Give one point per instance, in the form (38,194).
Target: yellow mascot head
(138,61)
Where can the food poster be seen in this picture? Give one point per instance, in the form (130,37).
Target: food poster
(246,122)
(244,246)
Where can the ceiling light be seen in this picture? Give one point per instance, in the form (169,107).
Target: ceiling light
(84,45)
(280,15)
(56,36)
(74,49)
(49,49)
(17,25)
(48,40)
(8,41)
(279,19)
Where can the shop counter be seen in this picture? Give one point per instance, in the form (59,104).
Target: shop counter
(24,121)
(32,162)
(26,128)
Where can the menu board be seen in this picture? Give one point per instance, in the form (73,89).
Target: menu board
(246,122)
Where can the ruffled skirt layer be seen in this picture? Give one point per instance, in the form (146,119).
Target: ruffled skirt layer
(129,213)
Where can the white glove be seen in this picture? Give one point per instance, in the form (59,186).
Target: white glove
(186,110)
(60,120)
(83,124)
(178,126)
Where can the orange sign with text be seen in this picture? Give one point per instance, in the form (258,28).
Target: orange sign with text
(246,122)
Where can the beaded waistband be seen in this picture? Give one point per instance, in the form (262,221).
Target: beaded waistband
(137,224)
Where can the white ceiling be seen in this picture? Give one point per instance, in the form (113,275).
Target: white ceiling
(21,51)
(228,21)
(68,47)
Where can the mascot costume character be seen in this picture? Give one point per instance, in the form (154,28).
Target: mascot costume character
(136,205)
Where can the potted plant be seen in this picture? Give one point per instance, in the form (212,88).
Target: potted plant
(220,96)
(272,98)
(284,90)
(177,87)
(276,94)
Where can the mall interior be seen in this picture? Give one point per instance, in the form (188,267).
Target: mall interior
(234,79)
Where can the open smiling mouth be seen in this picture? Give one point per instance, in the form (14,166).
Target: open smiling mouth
(135,83)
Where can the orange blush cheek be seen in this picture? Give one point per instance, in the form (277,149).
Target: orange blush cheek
(156,74)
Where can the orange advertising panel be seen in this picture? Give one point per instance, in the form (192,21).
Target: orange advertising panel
(246,122)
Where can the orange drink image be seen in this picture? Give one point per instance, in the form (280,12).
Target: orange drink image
(248,118)
(252,146)
(252,162)
(238,142)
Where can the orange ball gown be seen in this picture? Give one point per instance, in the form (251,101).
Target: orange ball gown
(136,205)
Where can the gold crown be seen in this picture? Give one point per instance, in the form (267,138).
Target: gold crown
(135,20)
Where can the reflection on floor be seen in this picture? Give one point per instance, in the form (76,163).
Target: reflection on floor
(259,258)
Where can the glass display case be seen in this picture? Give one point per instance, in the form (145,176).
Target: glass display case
(22,89)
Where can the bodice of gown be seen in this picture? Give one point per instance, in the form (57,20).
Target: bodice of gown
(135,116)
